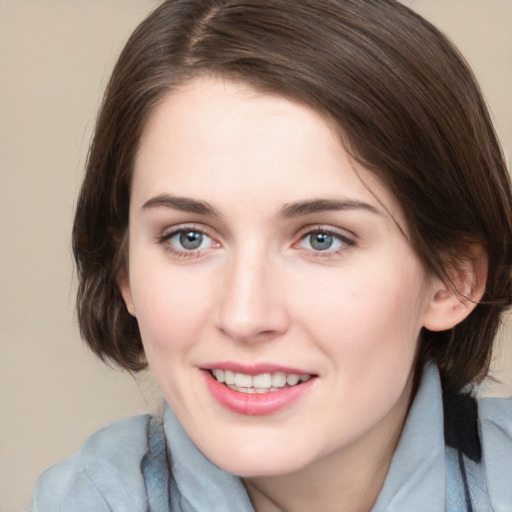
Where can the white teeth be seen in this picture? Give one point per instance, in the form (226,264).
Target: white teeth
(229,377)
(243,381)
(261,383)
(263,380)
(292,379)
(278,380)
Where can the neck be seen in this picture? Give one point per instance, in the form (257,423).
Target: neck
(348,480)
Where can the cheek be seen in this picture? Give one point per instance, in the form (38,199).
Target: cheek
(365,312)
(172,313)
(171,306)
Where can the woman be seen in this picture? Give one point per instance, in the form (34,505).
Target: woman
(298,214)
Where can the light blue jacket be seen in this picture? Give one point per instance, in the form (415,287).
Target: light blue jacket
(124,467)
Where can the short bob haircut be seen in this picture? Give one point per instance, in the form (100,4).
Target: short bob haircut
(406,106)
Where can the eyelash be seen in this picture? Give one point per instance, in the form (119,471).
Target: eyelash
(346,242)
(166,237)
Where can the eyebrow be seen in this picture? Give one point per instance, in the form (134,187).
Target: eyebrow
(184,204)
(289,210)
(309,207)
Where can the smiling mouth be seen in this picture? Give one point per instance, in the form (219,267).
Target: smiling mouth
(260,383)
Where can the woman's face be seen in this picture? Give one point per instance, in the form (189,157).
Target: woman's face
(258,257)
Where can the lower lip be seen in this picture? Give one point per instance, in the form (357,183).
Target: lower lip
(256,404)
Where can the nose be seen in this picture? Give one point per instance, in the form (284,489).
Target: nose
(252,306)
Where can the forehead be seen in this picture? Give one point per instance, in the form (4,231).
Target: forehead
(224,140)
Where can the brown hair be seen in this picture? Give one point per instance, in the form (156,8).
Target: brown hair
(408,107)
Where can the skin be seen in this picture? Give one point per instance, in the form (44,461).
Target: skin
(257,291)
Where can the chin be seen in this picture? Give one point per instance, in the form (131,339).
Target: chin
(248,469)
(263,463)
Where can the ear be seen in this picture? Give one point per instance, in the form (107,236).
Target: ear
(123,283)
(451,302)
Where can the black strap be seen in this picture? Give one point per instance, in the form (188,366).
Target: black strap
(461,424)
(461,433)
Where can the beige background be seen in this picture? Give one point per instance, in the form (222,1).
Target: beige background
(55,57)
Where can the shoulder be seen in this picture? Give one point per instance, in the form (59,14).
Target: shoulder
(108,467)
(495,416)
(496,413)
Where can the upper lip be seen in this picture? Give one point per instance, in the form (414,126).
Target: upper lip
(254,369)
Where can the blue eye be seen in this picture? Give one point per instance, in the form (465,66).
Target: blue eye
(189,240)
(320,240)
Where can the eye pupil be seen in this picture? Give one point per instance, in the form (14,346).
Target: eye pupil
(321,241)
(191,239)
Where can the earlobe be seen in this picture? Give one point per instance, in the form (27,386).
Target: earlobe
(451,301)
(123,283)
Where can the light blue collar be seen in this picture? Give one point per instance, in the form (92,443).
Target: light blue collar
(202,485)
